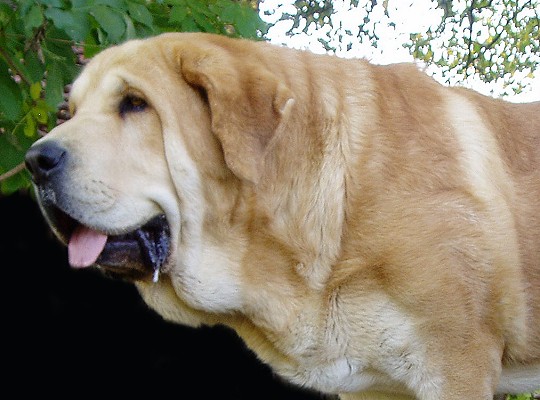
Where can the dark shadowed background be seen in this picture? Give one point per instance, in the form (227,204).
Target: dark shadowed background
(76,332)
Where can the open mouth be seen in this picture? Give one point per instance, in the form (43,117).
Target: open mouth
(134,255)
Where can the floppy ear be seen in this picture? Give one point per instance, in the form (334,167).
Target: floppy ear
(247,103)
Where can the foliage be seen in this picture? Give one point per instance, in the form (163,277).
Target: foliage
(494,40)
(530,396)
(37,57)
(497,40)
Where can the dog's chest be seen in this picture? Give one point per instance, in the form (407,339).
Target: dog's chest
(355,348)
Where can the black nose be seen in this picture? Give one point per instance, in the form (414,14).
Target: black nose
(44,160)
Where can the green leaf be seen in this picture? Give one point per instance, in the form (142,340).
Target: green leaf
(203,21)
(11,98)
(12,156)
(30,127)
(6,13)
(35,90)
(74,23)
(131,32)
(24,7)
(52,3)
(54,91)
(178,14)
(244,18)
(33,19)
(16,182)
(231,12)
(116,4)
(111,21)
(57,48)
(91,47)
(82,4)
(141,14)
(34,67)
(189,25)
(9,156)
(90,4)
(41,112)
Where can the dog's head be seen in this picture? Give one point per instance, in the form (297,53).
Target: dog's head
(164,134)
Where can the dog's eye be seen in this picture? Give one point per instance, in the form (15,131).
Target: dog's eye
(132,104)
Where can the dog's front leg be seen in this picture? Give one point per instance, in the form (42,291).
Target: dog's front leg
(466,364)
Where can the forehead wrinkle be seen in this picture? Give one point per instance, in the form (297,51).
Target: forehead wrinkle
(92,78)
(95,89)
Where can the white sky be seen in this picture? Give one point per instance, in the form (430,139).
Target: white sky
(409,17)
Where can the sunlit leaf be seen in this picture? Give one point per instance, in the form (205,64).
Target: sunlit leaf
(30,127)
(35,90)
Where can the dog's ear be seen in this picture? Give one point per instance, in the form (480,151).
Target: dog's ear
(246,101)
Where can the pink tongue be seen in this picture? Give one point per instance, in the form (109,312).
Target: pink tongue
(84,246)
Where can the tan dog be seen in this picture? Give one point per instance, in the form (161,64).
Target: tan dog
(365,230)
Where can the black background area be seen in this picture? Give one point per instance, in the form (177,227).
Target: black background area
(79,333)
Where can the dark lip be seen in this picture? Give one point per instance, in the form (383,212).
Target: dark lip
(134,255)
(137,254)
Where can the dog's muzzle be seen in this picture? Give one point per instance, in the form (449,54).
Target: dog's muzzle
(133,255)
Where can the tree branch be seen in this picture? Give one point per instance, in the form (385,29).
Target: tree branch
(13,66)
(470,15)
(12,172)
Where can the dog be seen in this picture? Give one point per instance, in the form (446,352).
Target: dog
(365,230)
